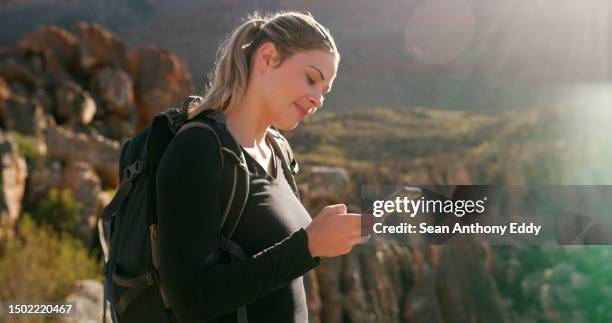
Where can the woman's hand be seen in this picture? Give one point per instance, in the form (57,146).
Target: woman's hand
(333,232)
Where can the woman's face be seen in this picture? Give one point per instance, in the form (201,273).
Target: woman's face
(296,88)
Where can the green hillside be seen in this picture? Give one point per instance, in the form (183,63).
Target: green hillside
(424,146)
(545,146)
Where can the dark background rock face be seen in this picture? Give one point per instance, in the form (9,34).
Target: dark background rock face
(469,55)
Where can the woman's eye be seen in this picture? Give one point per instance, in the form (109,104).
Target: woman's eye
(310,81)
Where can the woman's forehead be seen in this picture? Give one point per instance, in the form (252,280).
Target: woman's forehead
(325,62)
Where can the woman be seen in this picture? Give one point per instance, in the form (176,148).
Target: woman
(272,71)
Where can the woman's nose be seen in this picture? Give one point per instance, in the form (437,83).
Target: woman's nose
(317,100)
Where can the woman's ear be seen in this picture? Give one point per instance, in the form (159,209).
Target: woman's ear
(267,55)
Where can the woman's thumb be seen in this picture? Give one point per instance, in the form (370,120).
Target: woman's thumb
(338,209)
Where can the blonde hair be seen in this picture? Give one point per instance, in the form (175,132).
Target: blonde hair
(290,32)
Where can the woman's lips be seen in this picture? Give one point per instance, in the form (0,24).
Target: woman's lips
(303,112)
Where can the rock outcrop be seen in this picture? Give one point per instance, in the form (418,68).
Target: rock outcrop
(99,47)
(23,115)
(114,88)
(87,296)
(74,106)
(388,281)
(102,153)
(12,180)
(58,46)
(161,80)
(324,186)
(81,179)
(71,99)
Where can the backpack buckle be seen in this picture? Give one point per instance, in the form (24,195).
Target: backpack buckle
(132,170)
(153,277)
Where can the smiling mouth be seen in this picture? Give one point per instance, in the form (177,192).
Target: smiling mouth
(303,112)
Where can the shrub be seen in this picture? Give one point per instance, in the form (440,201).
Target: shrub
(27,147)
(41,265)
(59,210)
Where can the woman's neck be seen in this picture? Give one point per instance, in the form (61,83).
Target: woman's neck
(247,124)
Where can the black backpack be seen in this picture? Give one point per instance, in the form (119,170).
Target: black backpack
(128,224)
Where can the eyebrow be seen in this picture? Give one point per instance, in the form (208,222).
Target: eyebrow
(322,77)
(320,73)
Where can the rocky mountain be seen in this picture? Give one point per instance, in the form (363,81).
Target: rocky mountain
(70,99)
(468,55)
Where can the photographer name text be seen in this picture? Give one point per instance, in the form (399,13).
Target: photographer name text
(458,228)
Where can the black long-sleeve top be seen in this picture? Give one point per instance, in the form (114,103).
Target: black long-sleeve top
(271,232)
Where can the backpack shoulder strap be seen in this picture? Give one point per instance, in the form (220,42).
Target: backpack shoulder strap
(290,165)
(234,170)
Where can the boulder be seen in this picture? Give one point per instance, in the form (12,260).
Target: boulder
(88,298)
(17,65)
(114,88)
(73,105)
(325,185)
(23,115)
(99,47)
(114,128)
(45,99)
(102,153)
(12,180)
(161,80)
(81,179)
(58,46)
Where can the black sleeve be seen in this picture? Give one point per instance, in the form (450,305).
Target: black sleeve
(189,216)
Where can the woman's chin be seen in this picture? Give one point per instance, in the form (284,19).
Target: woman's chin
(287,126)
